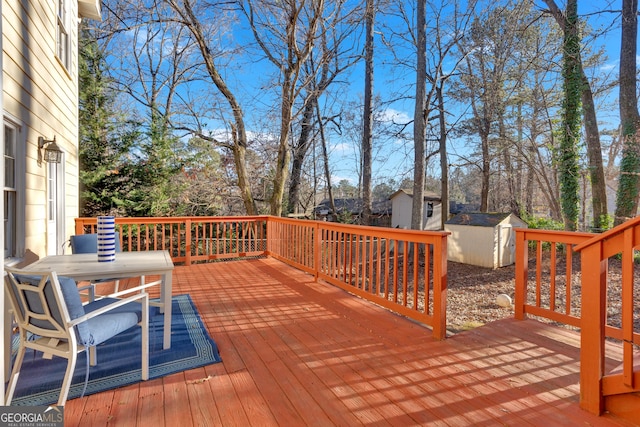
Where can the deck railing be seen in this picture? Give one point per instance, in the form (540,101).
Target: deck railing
(551,289)
(402,270)
(189,239)
(622,242)
(554,290)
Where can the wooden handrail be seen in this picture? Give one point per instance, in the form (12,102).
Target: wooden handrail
(595,382)
(595,251)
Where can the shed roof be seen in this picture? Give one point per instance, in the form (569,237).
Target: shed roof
(479,219)
(428,195)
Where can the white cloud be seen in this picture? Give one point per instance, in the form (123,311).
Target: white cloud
(395,116)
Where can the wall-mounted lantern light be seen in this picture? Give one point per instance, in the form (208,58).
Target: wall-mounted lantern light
(52,153)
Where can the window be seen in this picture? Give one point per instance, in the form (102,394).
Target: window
(429,209)
(63,42)
(10,191)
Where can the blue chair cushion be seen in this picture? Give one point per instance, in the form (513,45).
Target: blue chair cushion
(113,322)
(71,297)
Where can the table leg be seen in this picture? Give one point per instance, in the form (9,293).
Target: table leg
(165,297)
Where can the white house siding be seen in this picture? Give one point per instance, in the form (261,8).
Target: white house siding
(402,205)
(401,210)
(42,97)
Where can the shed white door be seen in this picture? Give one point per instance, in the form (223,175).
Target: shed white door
(506,246)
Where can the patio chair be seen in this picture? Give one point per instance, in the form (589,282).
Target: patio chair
(52,319)
(88,244)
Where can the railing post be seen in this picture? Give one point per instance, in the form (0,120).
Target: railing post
(268,227)
(187,243)
(522,273)
(79,226)
(317,247)
(439,288)
(592,335)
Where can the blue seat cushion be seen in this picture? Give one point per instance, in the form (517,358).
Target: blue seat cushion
(105,326)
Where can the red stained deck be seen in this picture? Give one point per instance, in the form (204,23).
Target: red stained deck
(300,353)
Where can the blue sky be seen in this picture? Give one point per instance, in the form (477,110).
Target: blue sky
(394,157)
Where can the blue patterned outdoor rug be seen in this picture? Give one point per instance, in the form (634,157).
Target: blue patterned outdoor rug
(119,361)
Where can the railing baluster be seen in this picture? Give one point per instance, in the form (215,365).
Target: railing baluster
(552,277)
(569,278)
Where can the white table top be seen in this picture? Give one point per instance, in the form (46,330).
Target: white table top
(87,267)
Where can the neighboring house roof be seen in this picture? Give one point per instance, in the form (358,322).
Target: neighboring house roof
(480,219)
(353,206)
(456,208)
(428,195)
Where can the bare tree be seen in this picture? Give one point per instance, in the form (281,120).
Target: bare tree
(488,60)
(334,54)
(435,62)
(286,33)
(237,143)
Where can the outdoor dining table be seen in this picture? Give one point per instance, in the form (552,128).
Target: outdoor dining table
(86,267)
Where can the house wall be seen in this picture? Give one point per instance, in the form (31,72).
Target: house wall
(401,211)
(402,205)
(41,97)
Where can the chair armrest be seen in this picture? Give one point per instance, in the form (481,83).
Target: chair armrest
(141,296)
(134,289)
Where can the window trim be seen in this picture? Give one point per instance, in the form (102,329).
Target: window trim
(19,186)
(63,47)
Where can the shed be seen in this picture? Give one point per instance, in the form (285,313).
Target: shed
(483,239)
(402,205)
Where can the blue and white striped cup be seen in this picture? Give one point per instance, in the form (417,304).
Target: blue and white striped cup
(106,238)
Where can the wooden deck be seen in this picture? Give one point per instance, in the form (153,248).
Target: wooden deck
(300,353)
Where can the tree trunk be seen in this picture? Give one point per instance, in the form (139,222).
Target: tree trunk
(627,197)
(325,156)
(594,154)
(486,170)
(284,154)
(444,160)
(420,119)
(367,131)
(300,153)
(568,156)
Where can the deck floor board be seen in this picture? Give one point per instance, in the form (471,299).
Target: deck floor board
(297,353)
